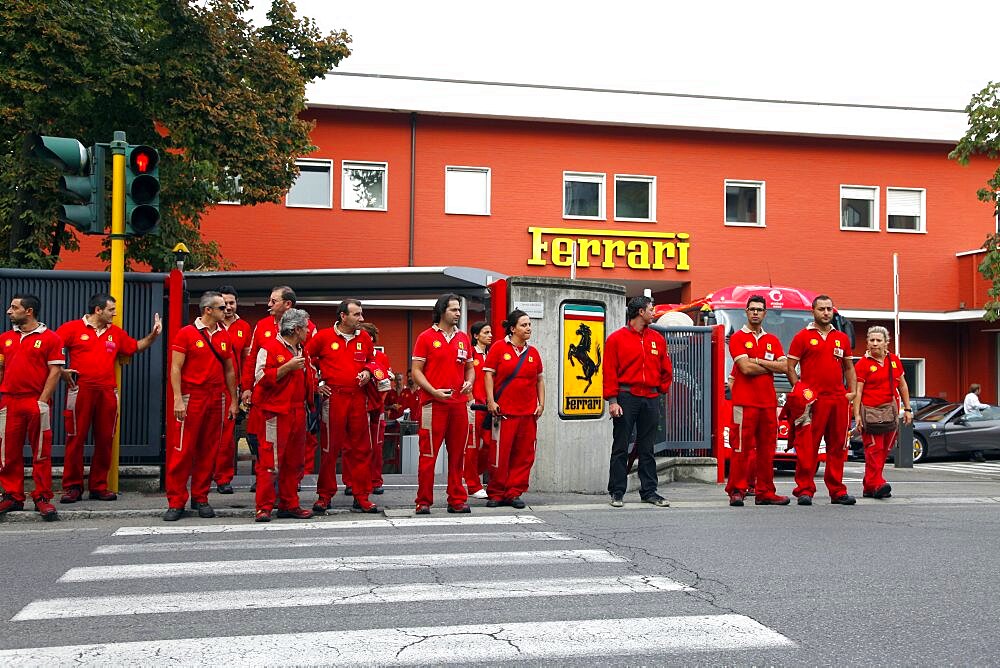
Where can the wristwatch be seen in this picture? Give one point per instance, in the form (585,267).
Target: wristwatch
(907,410)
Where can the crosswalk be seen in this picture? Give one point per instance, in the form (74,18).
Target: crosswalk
(480,589)
(988,470)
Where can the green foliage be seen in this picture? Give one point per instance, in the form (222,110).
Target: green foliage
(983,139)
(225,93)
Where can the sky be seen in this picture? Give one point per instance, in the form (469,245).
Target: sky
(909,54)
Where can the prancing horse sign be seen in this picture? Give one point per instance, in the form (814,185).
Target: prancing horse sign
(581,383)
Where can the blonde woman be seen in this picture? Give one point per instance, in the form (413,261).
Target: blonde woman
(880,383)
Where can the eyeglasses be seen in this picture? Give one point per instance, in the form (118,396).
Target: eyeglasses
(220,308)
(755,310)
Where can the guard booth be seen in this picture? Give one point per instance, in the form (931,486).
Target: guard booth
(64,296)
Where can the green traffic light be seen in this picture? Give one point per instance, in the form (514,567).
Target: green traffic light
(67,154)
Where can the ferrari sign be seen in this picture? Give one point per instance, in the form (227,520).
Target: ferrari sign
(581,382)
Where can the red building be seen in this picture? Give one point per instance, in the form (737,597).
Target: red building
(677,194)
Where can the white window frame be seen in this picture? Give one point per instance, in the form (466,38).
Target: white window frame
(313,162)
(345,184)
(919,369)
(489,188)
(923,210)
(599,178)
(639,178)
(761,206)
(875,209)
(237,190)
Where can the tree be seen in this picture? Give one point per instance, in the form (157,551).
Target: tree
(218,96)
(983,138)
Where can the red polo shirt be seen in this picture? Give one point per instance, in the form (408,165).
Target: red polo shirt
(520,396)
(479,384)
(875,376)
(201,370)
(445,360)
(266,328)
(240,335)
(92,354)
(27,358)
(820,359)
(639,360)
(757,391)
(292,390)
(338,358)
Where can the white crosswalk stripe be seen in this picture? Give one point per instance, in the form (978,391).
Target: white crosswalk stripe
(983,469)
(461,569)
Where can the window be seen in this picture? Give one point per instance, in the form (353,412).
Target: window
(905,209)
(635,198)
(364,185)
(913,371)
(858,208)
(314,186)
(583,195)
(745,203)
(467,190)
(230,189)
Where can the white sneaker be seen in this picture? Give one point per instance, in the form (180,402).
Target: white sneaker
(481,494)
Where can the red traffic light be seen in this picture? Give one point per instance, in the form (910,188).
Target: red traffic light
(143,160)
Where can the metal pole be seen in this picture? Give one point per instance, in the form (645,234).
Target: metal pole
(118,146)
(895,300)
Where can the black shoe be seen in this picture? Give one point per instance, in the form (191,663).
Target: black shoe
(617,501)
(348,491)
(517,503)
(883,492)
(379,490)
(205,510)
(294,513)
(492,503)
(462,509)
(319,509)
(844,500)
(805,500)
(371,508)
(102,496)
(173,514)
(194,504)
(656,500)
(224,488)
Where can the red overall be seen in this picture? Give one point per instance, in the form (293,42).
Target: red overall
(93,404)
(443,421)
(345,426)
(192,444)
(478,444)
(820,360)
(512,454)
(876,391)
(225,462)
(26,360)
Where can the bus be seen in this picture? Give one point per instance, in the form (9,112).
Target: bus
(789,310)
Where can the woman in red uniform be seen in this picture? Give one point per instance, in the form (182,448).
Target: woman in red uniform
(475,455)
(880,381)
(515,395)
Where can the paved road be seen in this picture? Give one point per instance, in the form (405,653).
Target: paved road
(911,580)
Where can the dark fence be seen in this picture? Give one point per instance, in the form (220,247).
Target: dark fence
(687,424)
(64,296)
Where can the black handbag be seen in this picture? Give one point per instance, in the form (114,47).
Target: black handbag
(488,420)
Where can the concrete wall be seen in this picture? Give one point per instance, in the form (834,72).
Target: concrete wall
(571,455)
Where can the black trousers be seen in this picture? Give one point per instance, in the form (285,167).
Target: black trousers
(642,414)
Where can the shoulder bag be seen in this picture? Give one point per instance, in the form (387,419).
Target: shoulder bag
(488,419)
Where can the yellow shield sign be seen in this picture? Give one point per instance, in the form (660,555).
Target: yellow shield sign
(581,382)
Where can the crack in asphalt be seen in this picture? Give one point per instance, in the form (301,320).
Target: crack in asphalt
(494,635)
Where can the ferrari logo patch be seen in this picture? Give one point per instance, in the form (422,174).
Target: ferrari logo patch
(359,346)
(223,346)
(38,343)
(240,333)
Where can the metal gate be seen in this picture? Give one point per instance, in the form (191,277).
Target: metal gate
(687,423)
(64,296)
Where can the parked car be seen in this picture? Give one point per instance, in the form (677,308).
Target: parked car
(943,430)
(920,405)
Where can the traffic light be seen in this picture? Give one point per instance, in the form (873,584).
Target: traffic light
(142,190)
(82,179)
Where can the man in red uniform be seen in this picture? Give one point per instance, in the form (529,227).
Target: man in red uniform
(240,334)
(376,408)
(31,357)
(637,370)
(201,373)
(282,298)
(444,371)
(341,354)
(94,343)
(410,396)
(757,355)
(824,356)
(479,442)
(284,384)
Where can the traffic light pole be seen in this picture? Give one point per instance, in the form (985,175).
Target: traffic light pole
(118,147)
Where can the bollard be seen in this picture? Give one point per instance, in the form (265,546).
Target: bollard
(903,458)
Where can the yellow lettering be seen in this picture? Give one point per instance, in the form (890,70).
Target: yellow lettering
(661,251)
(562,252)
(682,252)
(638,255)
(537,246)
(587,248)
(611,249)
